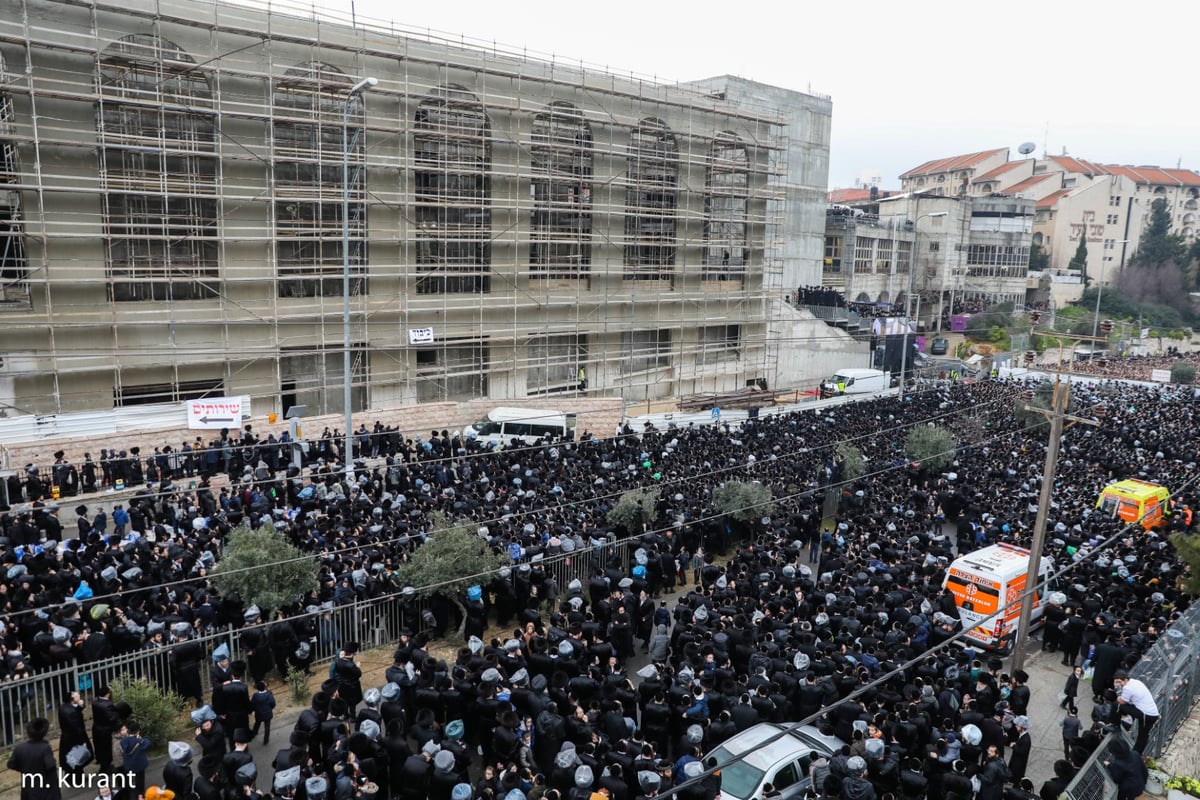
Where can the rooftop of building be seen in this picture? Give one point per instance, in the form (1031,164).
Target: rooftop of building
(953,163)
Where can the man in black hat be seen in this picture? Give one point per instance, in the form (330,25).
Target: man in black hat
(348,674)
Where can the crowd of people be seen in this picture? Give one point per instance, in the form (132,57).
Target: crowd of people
(1131,368)
(778,620)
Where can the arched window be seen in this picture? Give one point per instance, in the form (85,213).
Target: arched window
(306,140)
(883,297)
(452,152)
(14,270)
(158,172)
(560,246)
(726,200)
(651,202)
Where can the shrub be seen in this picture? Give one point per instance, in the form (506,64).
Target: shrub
(157,711)
(264,569)
(1187,547)
(634,510)
(1183,372)
(930,446)
(744,502)
(297,681)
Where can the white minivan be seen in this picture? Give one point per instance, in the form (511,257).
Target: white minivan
(855,381)
(526,425)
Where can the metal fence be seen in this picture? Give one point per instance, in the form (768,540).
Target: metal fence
(1171,671)
(1093,782)
(373,622)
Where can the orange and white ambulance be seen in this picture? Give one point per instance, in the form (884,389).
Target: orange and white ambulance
(1132,500)
(987,586)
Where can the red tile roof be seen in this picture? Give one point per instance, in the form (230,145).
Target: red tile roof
(848,195)
(1155,176)
(953,163)
(1000,170)
(1080,165)
(1051,200)
(1033,181)
(857,195)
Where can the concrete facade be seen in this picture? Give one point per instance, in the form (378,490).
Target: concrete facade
(681,216)
(960,247)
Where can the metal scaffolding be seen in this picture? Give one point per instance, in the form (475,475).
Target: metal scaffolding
(170,215)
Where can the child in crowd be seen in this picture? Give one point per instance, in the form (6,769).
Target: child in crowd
(1071,728)
(1071,689)
(263,703)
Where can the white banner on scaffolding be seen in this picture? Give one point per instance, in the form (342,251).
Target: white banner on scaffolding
(420,335)
(214,412)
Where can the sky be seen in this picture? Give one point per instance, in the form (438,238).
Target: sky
(1103,80)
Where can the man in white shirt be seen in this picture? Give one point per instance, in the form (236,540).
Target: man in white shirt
(1136,700)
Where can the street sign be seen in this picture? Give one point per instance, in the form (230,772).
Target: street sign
(716,413)
(214,413)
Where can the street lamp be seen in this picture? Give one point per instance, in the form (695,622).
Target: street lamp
(912,268)
(355,90)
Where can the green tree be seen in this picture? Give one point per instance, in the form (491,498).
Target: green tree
(451,558)
(155,710)
(741,501)
(1183,372)
(1039,259)
(264,569)
(633,511)
(851,458)
(1187,547)
(1158,246)
(1079,260)
(930,446)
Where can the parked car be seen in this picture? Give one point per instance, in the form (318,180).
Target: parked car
(748,760)
(939,347)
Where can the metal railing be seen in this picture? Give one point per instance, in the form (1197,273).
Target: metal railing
(1093,782)
(372,622)
(1171,671)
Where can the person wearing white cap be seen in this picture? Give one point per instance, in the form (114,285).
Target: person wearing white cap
(1018,761)
(855,785)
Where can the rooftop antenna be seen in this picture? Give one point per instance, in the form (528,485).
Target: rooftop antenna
(1046,140)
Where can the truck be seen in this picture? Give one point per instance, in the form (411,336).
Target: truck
(988,585)
(855,381)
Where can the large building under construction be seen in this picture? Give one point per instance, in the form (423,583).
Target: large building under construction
(175,173)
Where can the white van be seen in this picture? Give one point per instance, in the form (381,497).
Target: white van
(526,425)
(855,381)
(987,585)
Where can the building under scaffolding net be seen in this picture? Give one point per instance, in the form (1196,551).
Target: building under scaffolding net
(174,177)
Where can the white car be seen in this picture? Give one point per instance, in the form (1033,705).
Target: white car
(785,763)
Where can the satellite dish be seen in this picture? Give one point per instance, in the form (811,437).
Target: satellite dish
(1027,148)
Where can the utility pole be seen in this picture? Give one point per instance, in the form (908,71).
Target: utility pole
(1057,415)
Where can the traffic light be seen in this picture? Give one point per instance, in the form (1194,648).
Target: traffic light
(1106,326)
(1035,316)
(1029,357)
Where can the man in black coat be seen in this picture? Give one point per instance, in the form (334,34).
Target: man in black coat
(35,757)
(348,674)
(106,721)
(177,773)
(235,700)
(72,730)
